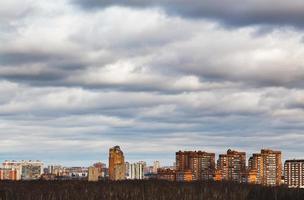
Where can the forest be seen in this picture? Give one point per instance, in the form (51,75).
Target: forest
(142,190)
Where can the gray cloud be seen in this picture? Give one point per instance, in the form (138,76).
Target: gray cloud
(138,60)
(230,13)
(83,81)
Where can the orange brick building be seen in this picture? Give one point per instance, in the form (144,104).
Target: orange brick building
(116,164)
(201,164)
(232,166)
(268,165)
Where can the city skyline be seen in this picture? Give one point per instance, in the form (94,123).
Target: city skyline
(165,163)
(78,77)
(263,168)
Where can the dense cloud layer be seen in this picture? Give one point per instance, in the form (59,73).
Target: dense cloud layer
(75,82)
(229,12)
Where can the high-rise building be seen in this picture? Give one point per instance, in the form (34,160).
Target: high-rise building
(294,173)
(232,166)
(136,171)
(145,167)
(116,164)
(222,167)
(156,165)
(255,162)
(268,165)
(201,164)
(207,165)
(252,172)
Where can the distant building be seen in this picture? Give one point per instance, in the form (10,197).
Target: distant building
(232,166)
(222,167)
(116,164)
(11,166)
(268,165)
(294,173)
(31,170)
(148,170)
(136,171)
(156,166)
(201,164)
(207,162)
(94,174)
(102,168)
(48,177)
(145,167)
(57,170)
(22,170)
(166,174)
(75,173)
(8,174)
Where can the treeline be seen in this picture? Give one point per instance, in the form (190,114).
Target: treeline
(143,190)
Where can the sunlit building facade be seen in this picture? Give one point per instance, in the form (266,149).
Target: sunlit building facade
(232,166)
(116,164)
(268,165)
(294,173)
(201,164)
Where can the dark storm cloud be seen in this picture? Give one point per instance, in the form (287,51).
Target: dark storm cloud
(229,12)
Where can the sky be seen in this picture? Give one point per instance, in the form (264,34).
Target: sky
(80,76)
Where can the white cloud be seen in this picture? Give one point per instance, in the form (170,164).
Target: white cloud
(74,80)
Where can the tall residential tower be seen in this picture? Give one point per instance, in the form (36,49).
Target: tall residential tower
(201,164)
(232,166)
(268,165)
(294,173)
(116,164)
